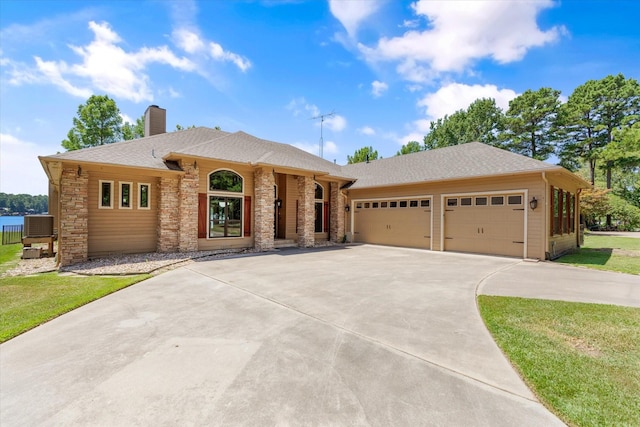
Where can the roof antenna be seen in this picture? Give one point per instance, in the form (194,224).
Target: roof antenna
(321,117)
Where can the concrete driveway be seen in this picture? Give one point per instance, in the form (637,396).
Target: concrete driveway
(359,335)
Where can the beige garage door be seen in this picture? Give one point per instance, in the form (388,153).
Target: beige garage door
(404,222)
(486,224)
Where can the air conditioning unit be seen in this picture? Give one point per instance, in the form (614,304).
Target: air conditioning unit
(38,225)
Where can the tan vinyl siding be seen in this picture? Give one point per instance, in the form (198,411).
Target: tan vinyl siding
(116,231)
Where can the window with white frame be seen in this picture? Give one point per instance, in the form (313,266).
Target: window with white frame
(319,208)
(144,195)
(105,194)
(226,199)
(125,195)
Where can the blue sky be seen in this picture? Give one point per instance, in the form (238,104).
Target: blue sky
(386,68)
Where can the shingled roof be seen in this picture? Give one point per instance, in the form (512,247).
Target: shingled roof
(470,160)
(159,152)
(241,147)
(148,152)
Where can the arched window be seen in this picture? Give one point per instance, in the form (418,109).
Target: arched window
(225,210)
(319,208)
(225,180)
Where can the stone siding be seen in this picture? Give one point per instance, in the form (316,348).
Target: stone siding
(336,216)
(168,214)
(188,212)
(264,182)
(73,246)
(306,211)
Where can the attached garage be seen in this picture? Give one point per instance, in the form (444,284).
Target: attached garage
(491,223)
(393,221)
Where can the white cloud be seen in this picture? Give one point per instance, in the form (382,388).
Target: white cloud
(188,40)
(217,52)
(336,123)
(329,147)
(378,88)
(455,96)
(300,105)
(126,119)
(352,13)
(461,32)
(16,157)
(366,130)
(107,67)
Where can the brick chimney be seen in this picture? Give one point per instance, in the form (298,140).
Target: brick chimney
(155,120)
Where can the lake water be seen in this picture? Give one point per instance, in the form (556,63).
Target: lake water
(11,220)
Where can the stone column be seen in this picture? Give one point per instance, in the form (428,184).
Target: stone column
(336,217)
(188,212)
(73,246)
(306,211)
(168,218)
(264,209)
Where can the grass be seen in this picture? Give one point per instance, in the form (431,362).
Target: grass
(582,360)
(9,256)
(29,301)
(608,253)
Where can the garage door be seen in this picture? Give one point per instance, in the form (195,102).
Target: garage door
(405,222)
(486,224)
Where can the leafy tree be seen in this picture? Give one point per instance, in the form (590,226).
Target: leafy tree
(133,131)
(180,127)
(410,147)
(594,116)
(362,155)
(98,122)
(482,121)
(530,124)
(23,203)
(579,122)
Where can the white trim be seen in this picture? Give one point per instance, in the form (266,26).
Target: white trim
(140,184)
(523,191)
(422,196)
(111,185)
(120,184)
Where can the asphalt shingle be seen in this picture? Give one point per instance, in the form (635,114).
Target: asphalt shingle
(474,159)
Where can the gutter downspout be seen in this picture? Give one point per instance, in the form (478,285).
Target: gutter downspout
(546,213)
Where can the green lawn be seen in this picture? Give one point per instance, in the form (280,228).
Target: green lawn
(582,360)
(609,253)
(28,301)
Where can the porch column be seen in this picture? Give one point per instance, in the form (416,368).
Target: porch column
(306,211)
(168,218)
(188,214)
(336,217)
(73,246)
(264,182)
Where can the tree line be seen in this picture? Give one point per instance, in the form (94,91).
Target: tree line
(20,204)
(595,133)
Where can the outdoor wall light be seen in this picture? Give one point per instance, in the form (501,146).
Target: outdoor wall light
(347,208)
(533,203)
(279,203)
(79,170)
